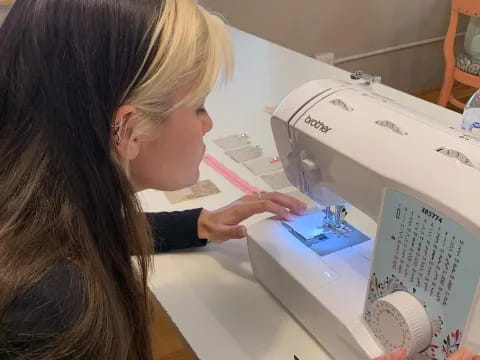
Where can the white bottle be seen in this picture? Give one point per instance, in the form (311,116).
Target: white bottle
(472,39)
(471,116)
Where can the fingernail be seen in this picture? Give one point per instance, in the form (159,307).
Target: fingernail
(242,232)
(396,353)
(302,209)
(289,217)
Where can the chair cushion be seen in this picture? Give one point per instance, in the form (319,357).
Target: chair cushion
(468,65)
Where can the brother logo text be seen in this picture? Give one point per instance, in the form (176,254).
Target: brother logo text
(317,124)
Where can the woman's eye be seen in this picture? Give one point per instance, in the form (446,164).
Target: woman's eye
(201,110)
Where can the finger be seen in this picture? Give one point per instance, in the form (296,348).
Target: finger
(462,354)
(222,233)
(249,197)
(244,210)
(294,205)
(398,354)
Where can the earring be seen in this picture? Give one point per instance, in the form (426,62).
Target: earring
(116,137)
(116,131)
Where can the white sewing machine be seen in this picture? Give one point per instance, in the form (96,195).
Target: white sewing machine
(415,286)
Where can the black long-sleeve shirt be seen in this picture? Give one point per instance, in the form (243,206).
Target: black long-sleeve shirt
(51,307)
(175,230)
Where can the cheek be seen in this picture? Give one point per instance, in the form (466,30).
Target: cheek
(170,162)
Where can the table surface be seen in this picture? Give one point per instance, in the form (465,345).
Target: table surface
(211,293)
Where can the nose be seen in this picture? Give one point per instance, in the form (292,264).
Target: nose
(207,124)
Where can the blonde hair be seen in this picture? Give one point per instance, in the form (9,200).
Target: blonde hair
(189,47)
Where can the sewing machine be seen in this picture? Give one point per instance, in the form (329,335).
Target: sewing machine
(415,285)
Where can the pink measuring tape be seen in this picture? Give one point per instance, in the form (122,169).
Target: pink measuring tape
(229,175)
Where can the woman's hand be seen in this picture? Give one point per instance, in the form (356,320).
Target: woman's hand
(400,354)
(223,224)
(464,354)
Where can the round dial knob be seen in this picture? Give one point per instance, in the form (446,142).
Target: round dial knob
(400,320)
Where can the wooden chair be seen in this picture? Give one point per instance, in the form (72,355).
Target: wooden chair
(469,74)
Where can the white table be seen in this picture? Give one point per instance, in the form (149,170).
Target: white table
(211,293)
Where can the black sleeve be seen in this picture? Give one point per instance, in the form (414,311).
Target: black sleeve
(175,230)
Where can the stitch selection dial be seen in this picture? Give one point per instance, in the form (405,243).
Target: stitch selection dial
(400,320)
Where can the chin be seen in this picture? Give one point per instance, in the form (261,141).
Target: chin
(195,178)
(185,182)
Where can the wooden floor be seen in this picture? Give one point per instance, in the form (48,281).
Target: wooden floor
(167,341)
(461,92)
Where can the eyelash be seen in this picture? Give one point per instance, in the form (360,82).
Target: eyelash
(201,110)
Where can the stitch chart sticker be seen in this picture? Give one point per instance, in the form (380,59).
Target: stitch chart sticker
(201,189)
(277,180)
(233,141)
(264,165)
(422,251)
(246,153)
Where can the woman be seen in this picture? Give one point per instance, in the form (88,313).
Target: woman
(99,99)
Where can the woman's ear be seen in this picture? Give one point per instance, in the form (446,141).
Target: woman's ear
(123,139)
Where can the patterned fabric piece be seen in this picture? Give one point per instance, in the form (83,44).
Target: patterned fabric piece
(468,65)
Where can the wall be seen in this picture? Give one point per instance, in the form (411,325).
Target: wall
(350,27)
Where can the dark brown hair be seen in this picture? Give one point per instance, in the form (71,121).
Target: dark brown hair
(65,66)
